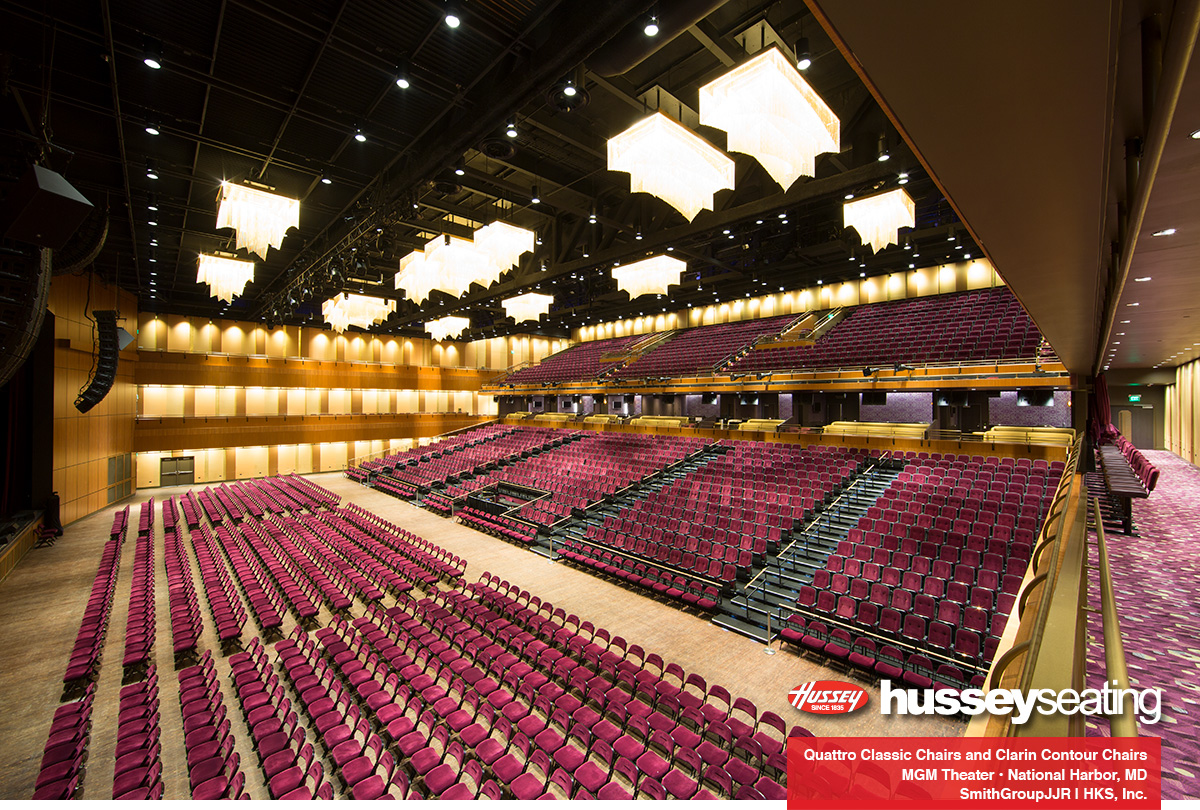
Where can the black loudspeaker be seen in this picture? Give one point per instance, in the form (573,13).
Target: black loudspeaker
(24,285)
(106,361)
(43,209)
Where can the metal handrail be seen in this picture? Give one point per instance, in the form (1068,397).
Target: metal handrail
(1125,723)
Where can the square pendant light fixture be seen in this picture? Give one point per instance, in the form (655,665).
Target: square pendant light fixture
(260,218)
(225,277)
(452,264)
(879,218)
(443,328)
(503,244)
(347,309)
(668,160)
(772,114)
(651,275)
(527,307)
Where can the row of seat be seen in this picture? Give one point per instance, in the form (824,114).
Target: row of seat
(224,604)
(214,768)
(645,709)
(89,641)
(66,749)
(914,669)
(287,760)
(984,325)
(505,528)
(640,572)
(137,770)
(583,361)
(186,624)
(702,348)
(139,625)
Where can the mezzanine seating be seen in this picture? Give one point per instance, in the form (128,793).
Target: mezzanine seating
(984,325)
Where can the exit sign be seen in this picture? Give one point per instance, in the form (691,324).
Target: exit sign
(1135,397)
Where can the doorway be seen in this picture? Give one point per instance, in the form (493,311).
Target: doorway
(177,471)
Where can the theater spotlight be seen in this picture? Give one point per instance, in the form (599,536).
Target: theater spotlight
(868,371)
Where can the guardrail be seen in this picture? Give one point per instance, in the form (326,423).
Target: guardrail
(1125,723)
(1047,631)
(358,461)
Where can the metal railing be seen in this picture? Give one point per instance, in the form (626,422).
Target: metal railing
(1125,723)
(1046,633)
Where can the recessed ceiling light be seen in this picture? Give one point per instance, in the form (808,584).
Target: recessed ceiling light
(1143,278)
(152,128)
(862,275)
(1195,136)
(1134,304)
(1164,232)
(359,136)
(1126,321)
(651,29)
(849,197)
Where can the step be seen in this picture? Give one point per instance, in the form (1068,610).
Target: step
(736,625)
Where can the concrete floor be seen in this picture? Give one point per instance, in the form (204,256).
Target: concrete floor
(42,602)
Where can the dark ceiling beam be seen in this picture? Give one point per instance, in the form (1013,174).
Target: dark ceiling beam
(619,89)
(110,50)
(430,80)
(708,36)
(66,25)
(212,63)
(583,139)
(312,68)
(174,132)
(498,97)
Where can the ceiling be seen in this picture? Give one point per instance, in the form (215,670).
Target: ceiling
(1021,112)
(262,91)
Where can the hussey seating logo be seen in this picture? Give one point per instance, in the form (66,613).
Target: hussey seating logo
(828,697)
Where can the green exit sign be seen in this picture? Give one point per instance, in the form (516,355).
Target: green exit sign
(1135,397)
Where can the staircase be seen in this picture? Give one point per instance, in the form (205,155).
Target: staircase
(576,527)
(772,593)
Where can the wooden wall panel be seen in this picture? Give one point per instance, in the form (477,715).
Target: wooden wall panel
(1182,414)
(171,368)
(84,443)
(171,434)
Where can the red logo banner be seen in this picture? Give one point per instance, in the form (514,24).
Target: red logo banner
(853,773)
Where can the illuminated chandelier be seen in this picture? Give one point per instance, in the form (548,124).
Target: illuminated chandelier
(527,307)
(225,277)
(878,219)
(772,114)
(347,309)
(651,275)
(503,244)
(443,328)
(259,217)
(416,281)
(671,162)
(448,263)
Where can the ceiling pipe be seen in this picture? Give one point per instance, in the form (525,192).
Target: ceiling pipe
(630,47)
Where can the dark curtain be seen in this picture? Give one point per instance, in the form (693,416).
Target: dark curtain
(1100,427)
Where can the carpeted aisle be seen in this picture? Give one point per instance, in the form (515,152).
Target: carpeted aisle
(1156,579)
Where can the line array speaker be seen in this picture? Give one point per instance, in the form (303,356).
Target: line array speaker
(106,361)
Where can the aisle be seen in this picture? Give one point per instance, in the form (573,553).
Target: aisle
(1156,578)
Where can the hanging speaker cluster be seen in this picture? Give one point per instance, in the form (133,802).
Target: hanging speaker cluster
(106,361)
